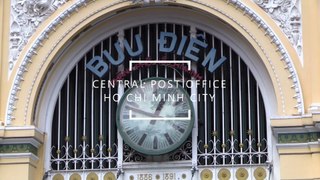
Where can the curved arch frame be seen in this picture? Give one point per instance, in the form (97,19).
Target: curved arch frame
(73,53)
(67,60)
(22,99)
(278,65)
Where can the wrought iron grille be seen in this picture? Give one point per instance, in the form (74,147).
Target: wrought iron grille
(231,130)
(232,127)
(84,135)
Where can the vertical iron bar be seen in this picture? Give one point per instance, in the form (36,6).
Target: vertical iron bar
(120,93)
(59,124)
(101,124)
(157,51)
(240,105)
(258,119)
(131,44)
(92,121)
(67,133)
(140,33)
(205,120)
(223,113)
(165,68)
(109,112)
(195,105)
(148,71)
(182,34)
(174,55)
(231,105)
(249,117)
(75,117)
(214,117)
(205,112)
(84,115)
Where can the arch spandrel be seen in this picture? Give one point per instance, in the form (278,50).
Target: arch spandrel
(50,41)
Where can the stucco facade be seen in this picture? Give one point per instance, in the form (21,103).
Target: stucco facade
(290,59)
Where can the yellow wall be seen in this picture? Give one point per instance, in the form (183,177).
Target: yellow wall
(296,166)
(19,169)
(300,162)
(4,54)
(311,43)
(295,163)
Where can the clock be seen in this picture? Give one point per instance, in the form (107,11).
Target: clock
(156,116)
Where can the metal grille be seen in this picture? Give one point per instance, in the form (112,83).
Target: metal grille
(150,34)
(231,128)
(83,131)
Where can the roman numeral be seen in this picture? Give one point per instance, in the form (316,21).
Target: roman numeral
(155,143)
(152,122)
(177,102)
(178,128)
(168,138)
(142,139)
(130,131)
(184,114)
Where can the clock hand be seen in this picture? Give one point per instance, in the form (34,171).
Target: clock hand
(142,112)
(159,107)
(177,102)
(158,110)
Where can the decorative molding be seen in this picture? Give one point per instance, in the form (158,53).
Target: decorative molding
(286,138)
(19,158)
(224,174)
(151,1)
(18,141)
(239,5)
(19,145)
(32,51)
(314,108)
(206,174)
(18,148)
(215,148)
(77,175)
(242,174)
(251,14)
(287,15)
(260,173)
(101,151)
(26,16)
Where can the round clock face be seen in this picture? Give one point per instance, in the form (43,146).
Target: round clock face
(155,117)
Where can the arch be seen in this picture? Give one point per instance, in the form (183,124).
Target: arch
(27,84)
(43,70)
(67,61)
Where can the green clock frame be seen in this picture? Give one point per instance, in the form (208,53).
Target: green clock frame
(140,148)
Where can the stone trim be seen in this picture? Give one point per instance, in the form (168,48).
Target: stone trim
(286,138)
(18,148)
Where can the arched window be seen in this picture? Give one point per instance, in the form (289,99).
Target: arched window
(230,129)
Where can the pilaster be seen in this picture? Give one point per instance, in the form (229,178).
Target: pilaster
(19,152)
